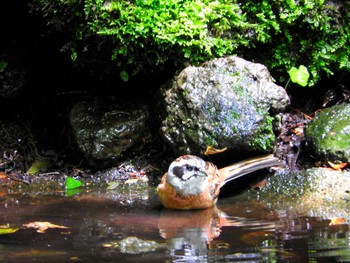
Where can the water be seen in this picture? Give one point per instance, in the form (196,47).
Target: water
(109,226)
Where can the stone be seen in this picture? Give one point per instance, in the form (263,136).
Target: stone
(329,133)
(227,102)
(106,133)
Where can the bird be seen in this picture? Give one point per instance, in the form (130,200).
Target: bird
(192,183)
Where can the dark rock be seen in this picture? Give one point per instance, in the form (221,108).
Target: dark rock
(329,133)
(105,133)
(225,102)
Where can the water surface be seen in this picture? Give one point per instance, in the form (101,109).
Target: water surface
(109,226)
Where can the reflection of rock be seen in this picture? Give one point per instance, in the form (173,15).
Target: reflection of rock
(134,245)
(329,133)
(223,103)
(104,133)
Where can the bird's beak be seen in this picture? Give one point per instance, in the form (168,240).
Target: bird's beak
(201,174)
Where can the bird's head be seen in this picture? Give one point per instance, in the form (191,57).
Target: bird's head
(187,175)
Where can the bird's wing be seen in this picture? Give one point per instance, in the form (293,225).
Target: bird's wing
(244,167)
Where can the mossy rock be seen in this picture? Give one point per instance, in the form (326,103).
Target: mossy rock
(329,133)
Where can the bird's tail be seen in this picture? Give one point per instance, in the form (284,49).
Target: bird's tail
(244,167)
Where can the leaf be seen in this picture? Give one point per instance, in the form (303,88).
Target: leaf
(300,75)
(7,230)
(3,65)
(72,183)
(124,75)
(337,166)
(73,192)
(112,185)
(41,227)
(40,165)
(211,150)
(337,221)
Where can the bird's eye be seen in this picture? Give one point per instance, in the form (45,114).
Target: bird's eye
(189,167)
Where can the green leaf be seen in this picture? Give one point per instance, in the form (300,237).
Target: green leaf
(7,230)
(71,183)
(124,75)
(300,75)
(40,166)
(73,192)
(112,185)
(3,65)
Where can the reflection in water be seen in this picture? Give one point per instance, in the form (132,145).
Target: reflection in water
(239,229)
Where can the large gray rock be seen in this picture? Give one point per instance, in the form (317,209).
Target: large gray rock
(329,133)
(104,133)
(225,102)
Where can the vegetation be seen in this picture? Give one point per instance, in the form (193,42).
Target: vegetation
(149,34)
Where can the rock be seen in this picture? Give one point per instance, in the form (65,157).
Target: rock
(105,133)
(329,133)
(225,102)
(317,191)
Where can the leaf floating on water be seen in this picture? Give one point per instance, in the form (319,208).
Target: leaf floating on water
(41,227)
(38,253)
(72,183)
(7,230)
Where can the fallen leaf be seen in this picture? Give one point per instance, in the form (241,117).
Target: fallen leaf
(211,150)
(41,165)
(3,175)
(7,230)
(337,221)
(41,227)
(71,183)
(337,166)
(298,131)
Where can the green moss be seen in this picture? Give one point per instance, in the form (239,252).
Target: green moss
(146,35)
(329,132)
(265,137)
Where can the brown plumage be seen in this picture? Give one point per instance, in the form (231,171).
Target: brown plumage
(192,183)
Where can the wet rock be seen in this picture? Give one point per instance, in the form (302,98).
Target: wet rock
(18,146)
(225,102)
(106,133)
(329,133)
(317,191)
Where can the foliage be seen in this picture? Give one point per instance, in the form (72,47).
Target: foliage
(3,65)
(72,183)
(299,75)
(148,34)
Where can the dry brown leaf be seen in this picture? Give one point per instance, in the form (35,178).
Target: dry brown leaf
(337,166)
(337,221)
(298,131)
(211,150)
(41,227)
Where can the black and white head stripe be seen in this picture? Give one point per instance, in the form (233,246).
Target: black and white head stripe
(187,166)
